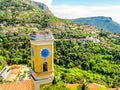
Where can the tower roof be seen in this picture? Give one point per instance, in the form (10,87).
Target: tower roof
(41,35)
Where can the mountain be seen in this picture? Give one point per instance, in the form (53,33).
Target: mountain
(41,6)
(101,22)
(80,51)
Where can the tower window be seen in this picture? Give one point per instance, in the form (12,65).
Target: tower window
(32,52)
(33,65)
(45,67)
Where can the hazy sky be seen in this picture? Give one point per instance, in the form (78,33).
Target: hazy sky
(86,2)
(84,8)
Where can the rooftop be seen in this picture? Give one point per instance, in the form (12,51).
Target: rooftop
(21,85)
(13,74)
(41,35)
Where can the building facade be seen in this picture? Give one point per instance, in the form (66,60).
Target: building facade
(42,55)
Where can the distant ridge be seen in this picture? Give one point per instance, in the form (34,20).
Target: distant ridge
(101,22)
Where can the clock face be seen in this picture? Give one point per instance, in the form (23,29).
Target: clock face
(45,53)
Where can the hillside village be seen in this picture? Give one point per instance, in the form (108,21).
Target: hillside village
(81,51)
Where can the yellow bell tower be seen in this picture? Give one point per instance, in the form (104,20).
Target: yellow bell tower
(42,58)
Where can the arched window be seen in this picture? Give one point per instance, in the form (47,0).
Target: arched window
(33,65)
(45,67)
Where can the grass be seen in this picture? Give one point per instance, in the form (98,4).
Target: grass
(102,88)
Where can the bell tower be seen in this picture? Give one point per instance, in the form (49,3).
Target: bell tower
(42,44)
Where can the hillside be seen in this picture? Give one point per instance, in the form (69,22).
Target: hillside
(40,5)
(101,22)
(81,51)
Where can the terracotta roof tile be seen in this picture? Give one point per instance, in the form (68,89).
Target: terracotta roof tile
(21,85)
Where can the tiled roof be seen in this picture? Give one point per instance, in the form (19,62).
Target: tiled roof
(93,87)
(21,85)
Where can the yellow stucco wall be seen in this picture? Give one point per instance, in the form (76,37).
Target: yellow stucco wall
(38,60)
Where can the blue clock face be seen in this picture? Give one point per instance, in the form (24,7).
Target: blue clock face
(45,53)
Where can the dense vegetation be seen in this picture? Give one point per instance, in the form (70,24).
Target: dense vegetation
(93,62)
(77,56)
(2,62)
